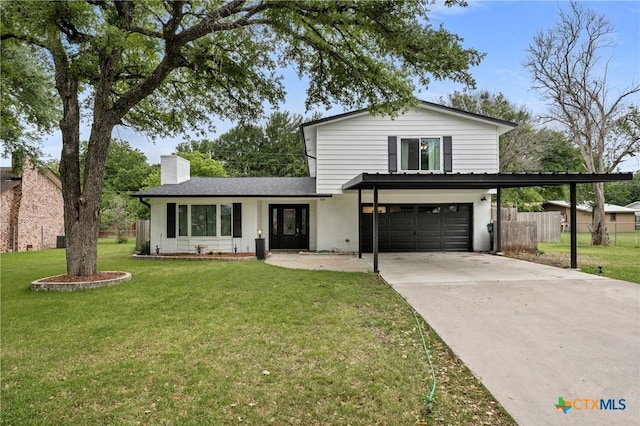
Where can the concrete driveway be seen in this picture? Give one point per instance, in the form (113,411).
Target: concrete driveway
(532,333)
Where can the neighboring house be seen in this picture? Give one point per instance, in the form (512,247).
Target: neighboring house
(332,208)
(617,218)
(32,209)
(636,206)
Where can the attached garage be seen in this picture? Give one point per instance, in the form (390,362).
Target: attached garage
(421,227)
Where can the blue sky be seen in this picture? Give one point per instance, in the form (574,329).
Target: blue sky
(501,29)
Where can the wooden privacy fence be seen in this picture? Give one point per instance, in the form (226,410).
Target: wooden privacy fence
(508,213)
(547,225)
(519,236)
(143,232)
(521,232)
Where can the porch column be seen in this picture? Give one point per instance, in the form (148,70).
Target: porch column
(375,229)
(359,223)
(498,227)
(573,226)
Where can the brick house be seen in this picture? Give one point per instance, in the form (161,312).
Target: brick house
(31,213)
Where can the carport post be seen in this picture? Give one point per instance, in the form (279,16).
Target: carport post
(375,229)
(359,223)
(574,226)
(498,229)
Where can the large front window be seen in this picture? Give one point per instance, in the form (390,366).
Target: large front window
(420,154)
(203,221)
(183,224)
(225,220)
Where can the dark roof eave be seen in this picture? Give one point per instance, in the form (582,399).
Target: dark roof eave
(443,108)
(143,195)
(477,181)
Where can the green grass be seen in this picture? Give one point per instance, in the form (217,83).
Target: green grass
(196,343)
(619,260)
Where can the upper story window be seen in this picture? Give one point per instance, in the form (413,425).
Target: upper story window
(420,154)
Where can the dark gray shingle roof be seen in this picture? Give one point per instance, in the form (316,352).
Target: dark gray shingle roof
(236,187)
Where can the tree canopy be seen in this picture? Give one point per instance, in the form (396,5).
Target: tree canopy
(274,149)
(162,67)
(568,64)
(29,106)
(126,169)
(625,192)
(524,149)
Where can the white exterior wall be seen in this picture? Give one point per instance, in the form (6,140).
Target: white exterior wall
(255,215)
(174,169)
(188,244)
(338,215)
(333,221)
(337,222)
(358,144)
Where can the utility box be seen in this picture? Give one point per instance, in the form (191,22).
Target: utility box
(61,241)
(490,229)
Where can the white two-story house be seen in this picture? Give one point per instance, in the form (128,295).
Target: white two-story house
(414,168)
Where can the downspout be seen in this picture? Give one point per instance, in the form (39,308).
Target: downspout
(144,202)
(304,145)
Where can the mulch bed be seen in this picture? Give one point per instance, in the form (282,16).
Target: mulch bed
(204,256)
(100,276)
(211,255)
(560,260)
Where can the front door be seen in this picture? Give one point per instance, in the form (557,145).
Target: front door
(289,228)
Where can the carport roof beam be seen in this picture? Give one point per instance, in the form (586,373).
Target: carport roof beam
(476,180)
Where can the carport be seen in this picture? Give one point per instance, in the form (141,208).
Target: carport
(487,181)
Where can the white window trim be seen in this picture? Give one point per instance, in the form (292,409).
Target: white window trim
(399,154)
(218,223)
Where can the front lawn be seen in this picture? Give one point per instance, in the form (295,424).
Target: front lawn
(619,260)
(194,343)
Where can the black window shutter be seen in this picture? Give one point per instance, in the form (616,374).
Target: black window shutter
(237,220)
(448,153)
(393,153)
(171,220)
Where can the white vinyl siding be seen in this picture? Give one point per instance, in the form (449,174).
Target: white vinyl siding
(359,144)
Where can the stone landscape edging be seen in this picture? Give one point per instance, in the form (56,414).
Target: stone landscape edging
(42,285)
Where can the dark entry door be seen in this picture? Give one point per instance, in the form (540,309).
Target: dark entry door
(289,228)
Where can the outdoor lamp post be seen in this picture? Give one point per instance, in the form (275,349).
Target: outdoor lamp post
(260,253)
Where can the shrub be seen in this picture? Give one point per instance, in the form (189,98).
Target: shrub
(144,248)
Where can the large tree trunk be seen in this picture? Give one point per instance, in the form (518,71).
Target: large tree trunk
(82,209)
(82,198)
(82,222)
(599,234)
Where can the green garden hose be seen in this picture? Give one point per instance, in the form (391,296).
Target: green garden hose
(429,399)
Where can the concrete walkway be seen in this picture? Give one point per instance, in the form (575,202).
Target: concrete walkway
(531,333)
(320,261)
